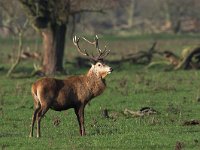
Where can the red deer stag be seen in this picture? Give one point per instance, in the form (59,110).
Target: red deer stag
(72,92)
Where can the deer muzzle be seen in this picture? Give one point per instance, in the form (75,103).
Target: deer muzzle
(110,70)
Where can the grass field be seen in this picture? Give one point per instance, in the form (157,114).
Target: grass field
(174,94)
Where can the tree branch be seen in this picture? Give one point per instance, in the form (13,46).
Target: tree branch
(20,48)
(88,10)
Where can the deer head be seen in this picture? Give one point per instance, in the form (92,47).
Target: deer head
(98,65)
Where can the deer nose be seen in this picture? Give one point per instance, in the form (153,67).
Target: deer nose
(111,69)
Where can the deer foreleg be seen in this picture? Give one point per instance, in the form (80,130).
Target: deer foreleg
(80,117)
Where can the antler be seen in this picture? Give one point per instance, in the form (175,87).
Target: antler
(76,41)
(102,54)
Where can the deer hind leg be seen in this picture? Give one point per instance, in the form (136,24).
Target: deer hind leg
(44,108)
(37,107)
(80,117)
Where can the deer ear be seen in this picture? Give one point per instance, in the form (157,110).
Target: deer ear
(92,65)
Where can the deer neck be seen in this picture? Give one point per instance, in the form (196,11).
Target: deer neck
(96,84)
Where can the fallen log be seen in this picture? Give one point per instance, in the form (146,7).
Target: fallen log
(191,60)
(141,56)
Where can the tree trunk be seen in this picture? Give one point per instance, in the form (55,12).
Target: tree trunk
(130,15)
(54,43)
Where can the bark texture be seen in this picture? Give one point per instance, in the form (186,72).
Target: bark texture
(54,43)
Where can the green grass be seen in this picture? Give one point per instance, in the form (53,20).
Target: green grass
(174,94)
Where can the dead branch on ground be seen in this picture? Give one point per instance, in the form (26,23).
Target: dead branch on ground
(189,59)
(141,56)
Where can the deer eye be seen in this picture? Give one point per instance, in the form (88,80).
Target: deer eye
(99,65)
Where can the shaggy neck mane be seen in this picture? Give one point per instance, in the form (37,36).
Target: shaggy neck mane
(95,83)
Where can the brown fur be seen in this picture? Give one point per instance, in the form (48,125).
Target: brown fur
(73,92)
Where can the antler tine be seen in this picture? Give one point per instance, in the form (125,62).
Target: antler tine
(97,44)
(104,53)
(93,43)
(76,41)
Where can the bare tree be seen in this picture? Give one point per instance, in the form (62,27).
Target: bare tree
(11,18)
(14,24)
(20,32)
(51,18)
